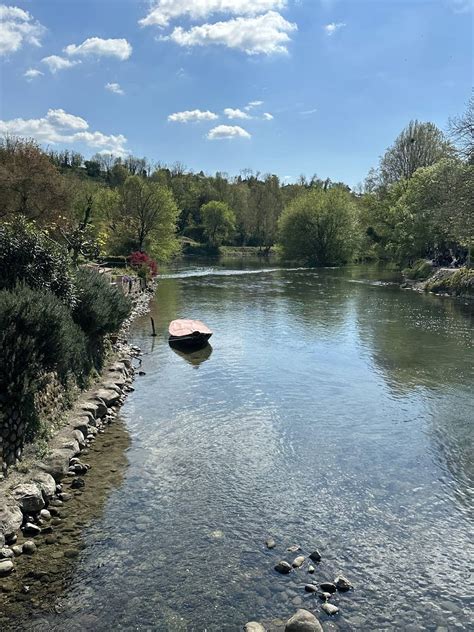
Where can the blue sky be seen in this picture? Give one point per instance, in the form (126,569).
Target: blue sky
(337,79)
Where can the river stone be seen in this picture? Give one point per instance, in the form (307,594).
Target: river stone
(303,621)
(329,608)
(5,553)
(294,548)
(328,587)
(56,463)
(10,517)
(283,567)
(79,437)
(29,497)
(298,561)
(17,550)
(254,626)
(6,567)
(311,588)
(29,547)
(45,514)
(325,596)
(31,529)
(108,395)
(81,424)
(315,556)
(270,544)
(45,482)
(343,584)
(311,568)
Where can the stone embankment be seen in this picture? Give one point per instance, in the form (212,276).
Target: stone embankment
(32,493)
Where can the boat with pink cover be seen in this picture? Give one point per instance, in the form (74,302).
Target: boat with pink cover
(188,333)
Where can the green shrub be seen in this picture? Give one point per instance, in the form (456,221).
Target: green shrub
(460,283)
(28,256)
(420,270)
(101,307)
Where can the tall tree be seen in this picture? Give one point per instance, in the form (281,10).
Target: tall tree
(461,129)
(219,222)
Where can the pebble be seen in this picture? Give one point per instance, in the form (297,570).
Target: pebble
(17,550)
(270,544)
(298,561)
(45,514)
(5,553)
(311,569)
(254,626)
(343,584)
(31,529)
(328,587)
(283,567)
(315,556)
(311,588)
(6,567)
(294,548)
(330,608)
(50,539)
(325,596)
(29,547)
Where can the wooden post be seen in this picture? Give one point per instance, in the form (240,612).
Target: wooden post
(153,327)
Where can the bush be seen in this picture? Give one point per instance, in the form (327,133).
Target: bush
(459,283)
(145,266)
(101,307)
(28,256)
(37,335)
(419,271)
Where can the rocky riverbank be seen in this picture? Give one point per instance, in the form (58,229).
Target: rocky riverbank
(445,282)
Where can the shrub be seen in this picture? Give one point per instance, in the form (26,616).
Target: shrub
(420,270)
(28,256)
(145,266)
(101,307)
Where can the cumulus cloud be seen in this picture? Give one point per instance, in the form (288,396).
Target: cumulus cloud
(227,131)
(98,47)
(267,116)
(232,113)
(333,27)
(262,35)
(165,11)
(252,105)
(32,73)
(59,126)
(192,115)
(114,87)
(55,63)
(18,27)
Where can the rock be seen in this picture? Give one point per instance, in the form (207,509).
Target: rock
(45,482)
(45,514)
(253,626)
(283,567)
(311,569)
(343,584)
(303,621)
(55,502)
(6,567)
(11,538)
(50,539)
(29,497)
(10,518)
(81,424)
(77,483)
(329,608)
(311,588)
(298,561)
(31,529)
(17,550)
(79,437)
(315,556)
(56,463)
(29,547)
(109,396)
(294,548)
(270,544)
(328,587)
(325,596)
(6,553)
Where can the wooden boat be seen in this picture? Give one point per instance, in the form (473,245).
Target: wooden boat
(191,334)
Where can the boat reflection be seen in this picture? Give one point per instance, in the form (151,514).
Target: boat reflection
(194,357)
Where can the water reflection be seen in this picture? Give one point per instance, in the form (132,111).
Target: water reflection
(194,357)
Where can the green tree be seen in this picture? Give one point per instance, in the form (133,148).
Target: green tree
(319,227)
(219,222)
(461,129)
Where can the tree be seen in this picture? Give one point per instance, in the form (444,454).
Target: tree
(219,222)
(30,184)
(319,227)
(418,145)
(461,129)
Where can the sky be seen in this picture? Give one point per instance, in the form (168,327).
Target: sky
(287,87)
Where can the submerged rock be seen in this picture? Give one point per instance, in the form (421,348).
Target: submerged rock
(325,596)
(270,544)
(254,626)
(328,587)
(311,569)
(294,548)
(311,588)
(343,584)
(315,556)
(303,621)
(283,567)
(329,608)
(298,561)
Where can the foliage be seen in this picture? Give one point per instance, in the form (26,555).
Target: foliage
(218,220)
(420,270)
(319,227)
(459,283)
(145,266)
(27,255)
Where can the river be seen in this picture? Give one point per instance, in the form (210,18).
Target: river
(333,411)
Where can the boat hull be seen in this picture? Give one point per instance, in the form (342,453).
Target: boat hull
(196,340)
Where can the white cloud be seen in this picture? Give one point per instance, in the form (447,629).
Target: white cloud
(16,28)
(333,27)
(55,63)
(267,116)
(253,104)
(309,112)
(236,114)
(114,87)
(98,47)
(227,131)
(191,116)
(32,73)
(60,127)
(265,34)
(166,10)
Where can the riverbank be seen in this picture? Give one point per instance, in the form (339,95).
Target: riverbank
(445,282)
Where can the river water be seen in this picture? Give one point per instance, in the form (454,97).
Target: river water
(333,411)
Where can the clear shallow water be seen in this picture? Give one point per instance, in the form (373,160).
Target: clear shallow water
(333,411)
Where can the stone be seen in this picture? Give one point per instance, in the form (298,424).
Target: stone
(45,514)
(298,561)
(56,463)
(109,396)
(50,539)
(79,437)
(315,556)
(294,548)
(31,529)
(311,588)
(329,608)
(77,483)
(29,547)
(325,596)
(283,567)
(270,544)
(6,567)
(90,407)
(17,550)
(45,482)
(343,584)
(254,626)
(311,568)
(10,518)
(29,497)
(6,553)
(328,587)
(11,538)
(303,621)
(81,424)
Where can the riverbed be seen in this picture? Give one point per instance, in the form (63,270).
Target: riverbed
(333,410)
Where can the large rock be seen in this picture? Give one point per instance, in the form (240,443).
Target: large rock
(303,621)
(56,463)
(10,517)
(45,482)
(283,567)
(6,567)
(298,561)
(81,424)
(29,497)
(254,626)
(108,395)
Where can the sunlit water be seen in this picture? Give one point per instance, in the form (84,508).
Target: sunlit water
(334,411)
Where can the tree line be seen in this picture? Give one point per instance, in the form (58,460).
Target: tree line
(416,204)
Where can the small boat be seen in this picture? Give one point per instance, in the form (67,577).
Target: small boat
(191,334)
